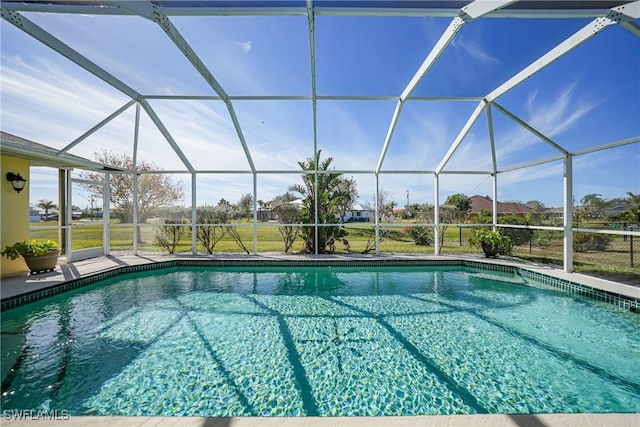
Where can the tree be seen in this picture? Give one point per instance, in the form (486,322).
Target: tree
(461,204)
(154,190)
(170,233)
(537,209)
(288,215)
(244,205)
(634,206)
(47,205)
(330,195)
(209,232)
(349,187)
(212,228)
(385,204)
(592,206)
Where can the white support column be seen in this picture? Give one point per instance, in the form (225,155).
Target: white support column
(194,216)
(377,213)
(315,205)
(314,105)
(136,227)
(255,214)
(436,214)
(568,213)
(67,235)
(495,200)
(135,219)
(106,215)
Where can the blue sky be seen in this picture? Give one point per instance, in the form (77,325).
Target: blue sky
(587,98)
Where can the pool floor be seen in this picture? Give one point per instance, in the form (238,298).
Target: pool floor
(320,342)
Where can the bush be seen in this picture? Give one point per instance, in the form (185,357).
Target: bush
(518,236)
(421,234)
(169,235)
(583,242)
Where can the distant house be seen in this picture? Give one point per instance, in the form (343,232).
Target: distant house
(266,214)
(359,213)
(616,210)
(479,203)
(356,213)
(551,213)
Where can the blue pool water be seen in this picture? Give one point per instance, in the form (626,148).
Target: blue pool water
(319,341)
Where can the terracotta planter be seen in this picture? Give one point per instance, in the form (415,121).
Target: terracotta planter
(39,264)
(489,251)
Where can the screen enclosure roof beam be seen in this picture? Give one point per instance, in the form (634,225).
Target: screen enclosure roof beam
(467,14)
(153,13)
(57,45)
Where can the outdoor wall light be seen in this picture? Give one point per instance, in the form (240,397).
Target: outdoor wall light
(17,182)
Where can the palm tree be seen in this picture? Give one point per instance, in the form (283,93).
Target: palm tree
(47,205)
(330,197)
(634,204)
(592,206)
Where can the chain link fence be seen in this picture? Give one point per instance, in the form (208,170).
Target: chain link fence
(610,256)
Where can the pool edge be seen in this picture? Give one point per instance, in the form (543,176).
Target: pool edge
(493,420)
(624,296)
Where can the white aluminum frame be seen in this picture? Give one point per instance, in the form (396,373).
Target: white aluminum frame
(623,13)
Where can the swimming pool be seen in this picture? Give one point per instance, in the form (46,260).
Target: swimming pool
(319,341)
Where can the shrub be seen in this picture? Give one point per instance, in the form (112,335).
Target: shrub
(169,235)
(288,214)
(421,234)
(583,242)
(518,236)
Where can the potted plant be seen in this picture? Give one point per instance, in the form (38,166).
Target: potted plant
(40,255)
(491,241)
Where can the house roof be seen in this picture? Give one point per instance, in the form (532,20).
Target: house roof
(42,155)
(479,202)
(359,207)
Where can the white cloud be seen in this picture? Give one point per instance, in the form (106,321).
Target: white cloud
(245,46)
(472,47)
(559,113)
(63,103)
(551,116)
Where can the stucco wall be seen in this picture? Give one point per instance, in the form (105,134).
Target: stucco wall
(14,213)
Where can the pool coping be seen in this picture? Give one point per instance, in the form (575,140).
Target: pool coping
(18,291)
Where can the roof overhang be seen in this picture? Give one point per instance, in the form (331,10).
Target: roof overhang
(41,155)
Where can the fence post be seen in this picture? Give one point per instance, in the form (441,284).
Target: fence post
(631,246)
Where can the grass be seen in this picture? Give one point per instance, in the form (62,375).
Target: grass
(612,264)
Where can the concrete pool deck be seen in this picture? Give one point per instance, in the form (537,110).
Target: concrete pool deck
(539,420)
(64,272)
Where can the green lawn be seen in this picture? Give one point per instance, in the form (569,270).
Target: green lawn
(613,263)
(89,235)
